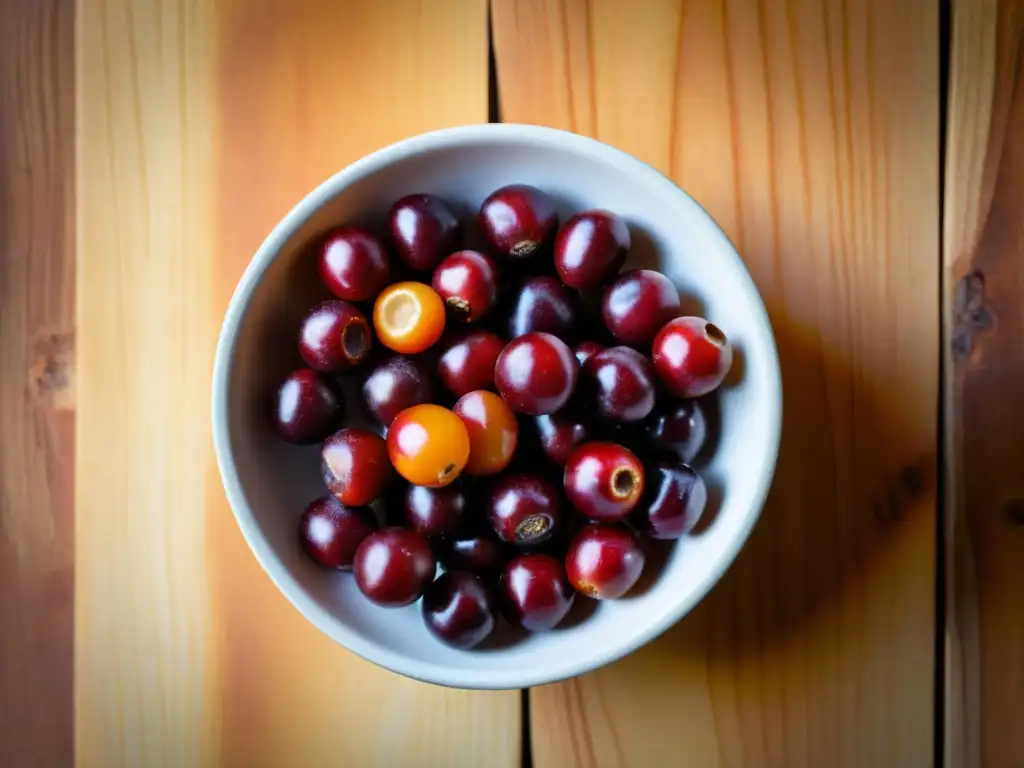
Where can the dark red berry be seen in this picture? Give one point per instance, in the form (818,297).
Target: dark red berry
(604,481)
(585,351)
(395,384)
(536,373)
(673,502)
(334,336)
(591,248)
(543,304)
(517,220)
(306,407)
(330,532)
(424,229)
(468,360)
(524,509)
(559,434)
(393,566)
(637,304)
(622,383)
(458,608)
(478,551)
(604,561)
(679,427)
(468,283)
(433,512)
(691,356)
(537,594)
(355,466)
(354,264)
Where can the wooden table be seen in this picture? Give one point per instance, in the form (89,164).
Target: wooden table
(866,156)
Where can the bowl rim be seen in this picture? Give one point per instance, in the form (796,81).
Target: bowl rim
(238,307)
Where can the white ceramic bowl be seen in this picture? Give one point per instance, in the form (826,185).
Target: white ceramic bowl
(269,482)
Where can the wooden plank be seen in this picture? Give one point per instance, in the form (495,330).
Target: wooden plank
(37,340)
(810,131)
(200,124)
(984,261)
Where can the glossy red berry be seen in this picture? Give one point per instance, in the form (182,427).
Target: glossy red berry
(679,427)
(543,304)
(585,351)
(691,356)
(468,360)
(604,561)
(433,512)
(468,283)
(396,383)
(393,566)
(330,533)
(524,508)
(353,264)
(424,229)
(355,466)
(334,336)
(637,304)
(559,433)
(604,481)
(306,407)
(478,551)
(591,248)
(517,220)
(459,609)
(536,373)
(622,383)
(537,594)
(673,502)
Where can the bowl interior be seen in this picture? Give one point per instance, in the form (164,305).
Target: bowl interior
(270,482)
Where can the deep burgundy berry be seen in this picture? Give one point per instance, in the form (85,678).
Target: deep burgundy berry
(604,561)
(330,533)
(537,595)
(334,336)
(468,283)
(524,508)
(306,407)
(459,609)
(637,304)
(604,481)
(691,356)
(424,229)
(355,466)
(479,551)
(536,373)
(673,501)
(517,220)
(353,264)
(433,512)
(467,361)
(393,566)
(591,248)
(622,383)
(679,427)
(394,384)
(543,304)
(559,434)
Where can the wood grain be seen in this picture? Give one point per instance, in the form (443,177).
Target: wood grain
(810,131)
(37,340)
(200,124)
(983,246)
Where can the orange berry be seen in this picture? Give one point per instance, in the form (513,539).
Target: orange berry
(493,431)
(428,445)
(408,317)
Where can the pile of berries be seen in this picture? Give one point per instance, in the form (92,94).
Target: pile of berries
(540,412)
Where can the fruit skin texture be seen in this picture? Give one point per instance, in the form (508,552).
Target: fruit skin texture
(395,384)
(433,512)
(536,373)
(459,610)
(591,248)
(680,427)
(306,408)
(604,561)
(468,283)
(467,363)
(428,445)
(543,304)
(408,317)
(330,532)
(355,466)
(691,356)
(637,304)
(673,502)
(393,566)
(622,381)
(604,481)
(585,351)
(559,434)
(334,337)
(524,508)
(478,551)
(537,595)
(517,220)
(493,431)
(353,264)
(424,229)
